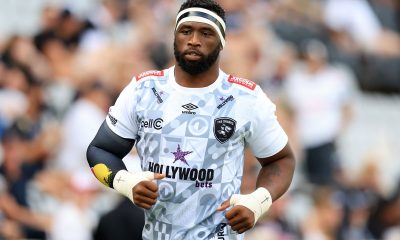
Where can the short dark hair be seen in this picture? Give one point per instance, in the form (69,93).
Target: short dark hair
(206,4)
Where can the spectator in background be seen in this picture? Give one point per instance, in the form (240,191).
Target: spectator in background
(71,198)
(357,207)
(362,26)
(283,63)
(29,142)
(88,110)
(124,222)
(384,220)
(325,216)
(13,103)
(286,57)
(320,97)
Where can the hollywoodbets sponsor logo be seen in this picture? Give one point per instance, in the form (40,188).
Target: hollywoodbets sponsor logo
(230,98)
(202,177)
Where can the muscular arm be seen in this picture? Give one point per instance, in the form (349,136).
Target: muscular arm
(277,172)
(105,154)
(272,182)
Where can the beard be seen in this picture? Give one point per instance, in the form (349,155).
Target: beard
(196,67)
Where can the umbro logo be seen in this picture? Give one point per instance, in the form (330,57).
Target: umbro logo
(189,107)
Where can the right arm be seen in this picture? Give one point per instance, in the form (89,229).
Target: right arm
(104,156)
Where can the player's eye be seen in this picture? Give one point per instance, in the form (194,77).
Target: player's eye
(185,31)
(206,33)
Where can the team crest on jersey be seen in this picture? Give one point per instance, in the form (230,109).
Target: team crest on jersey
(242,81)
(224,128)
(150,73)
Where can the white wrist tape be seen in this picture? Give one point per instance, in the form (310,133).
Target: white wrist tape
(124,181)
(258,201)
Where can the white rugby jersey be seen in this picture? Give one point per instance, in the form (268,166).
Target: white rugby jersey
(196,137)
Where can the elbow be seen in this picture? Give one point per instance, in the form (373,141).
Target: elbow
(89,154)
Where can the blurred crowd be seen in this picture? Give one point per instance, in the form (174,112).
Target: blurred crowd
(323,62)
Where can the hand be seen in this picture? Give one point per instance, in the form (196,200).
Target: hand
(145,193)
(247,209)
(240,218)
(8,205)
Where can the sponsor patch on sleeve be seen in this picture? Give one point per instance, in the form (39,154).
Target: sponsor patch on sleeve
(102,173)
(150,73)
(242,81)
(112,119)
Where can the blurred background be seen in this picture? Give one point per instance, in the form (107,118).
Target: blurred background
(331,66)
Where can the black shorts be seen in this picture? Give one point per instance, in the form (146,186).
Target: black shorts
(320,164)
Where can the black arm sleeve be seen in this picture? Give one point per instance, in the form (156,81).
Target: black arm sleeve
(107,149)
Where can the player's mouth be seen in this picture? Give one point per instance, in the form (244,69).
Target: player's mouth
(193,55)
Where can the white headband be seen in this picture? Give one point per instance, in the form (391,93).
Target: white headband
(202,15)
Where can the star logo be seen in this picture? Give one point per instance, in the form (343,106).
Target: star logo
(180,155)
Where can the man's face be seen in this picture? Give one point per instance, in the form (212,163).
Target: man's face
(196,47)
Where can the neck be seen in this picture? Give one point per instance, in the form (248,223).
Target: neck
(200,80)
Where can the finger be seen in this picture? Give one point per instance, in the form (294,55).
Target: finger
(237,219)
(145,200)
(158,176)
(143,205)
(231,213)
(153,176)
(224,205)
(242,230)
(240,225)
(151,186)
(147,189)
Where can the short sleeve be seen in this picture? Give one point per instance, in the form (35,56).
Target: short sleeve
(121,117)
(266,137)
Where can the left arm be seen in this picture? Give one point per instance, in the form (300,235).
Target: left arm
(273,181)
(277,172)
(266,138)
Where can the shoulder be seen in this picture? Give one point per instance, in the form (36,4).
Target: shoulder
(149,79)
(243,86)
(248,91)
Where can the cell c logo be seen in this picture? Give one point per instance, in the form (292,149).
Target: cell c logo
(152,123)
(158,123)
